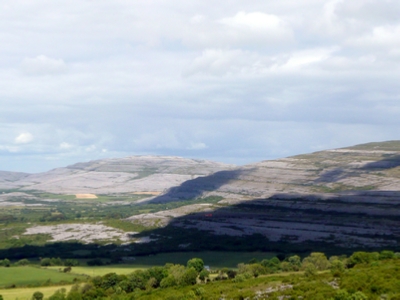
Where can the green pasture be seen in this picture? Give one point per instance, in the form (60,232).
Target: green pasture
(102,270)
(34,276)
(26,293)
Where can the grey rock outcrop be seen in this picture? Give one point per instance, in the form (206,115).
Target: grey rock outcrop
(112,176)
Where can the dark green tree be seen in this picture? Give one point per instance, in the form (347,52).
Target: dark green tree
(196,263)
(37,296)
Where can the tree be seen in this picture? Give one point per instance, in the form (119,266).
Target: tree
(337,267)
(196,263)
(67,269)
(22,262)
(188,277)
(45,262)
(318,259)
(295,262)
(6,262)
(204,274)
(37,296)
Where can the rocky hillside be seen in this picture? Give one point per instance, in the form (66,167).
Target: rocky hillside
(368,167)
(349,197)
(148,174)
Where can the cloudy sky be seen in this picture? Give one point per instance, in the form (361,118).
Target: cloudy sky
(232,81)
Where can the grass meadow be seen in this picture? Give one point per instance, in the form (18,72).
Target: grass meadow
(26,293)
(33,276)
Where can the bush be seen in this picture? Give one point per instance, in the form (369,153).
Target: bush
(168,282)
(5,263)
(204,274)
(385,254)
(22,262)
(317,259)
(37,296)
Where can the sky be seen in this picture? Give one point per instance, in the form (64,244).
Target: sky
(229,81)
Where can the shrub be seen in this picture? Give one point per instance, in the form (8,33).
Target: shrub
(5,262)
(45,262)
(22,262)
(168,282)
(37,296)
(386,254)
(317,259)
(204,274)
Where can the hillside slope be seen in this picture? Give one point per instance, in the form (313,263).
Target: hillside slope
(346,197)
(119,175)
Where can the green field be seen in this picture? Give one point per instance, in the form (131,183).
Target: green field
(26,293)
(102,270)
(33,276)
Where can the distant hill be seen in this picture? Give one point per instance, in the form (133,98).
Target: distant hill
(348,198)
(118,175)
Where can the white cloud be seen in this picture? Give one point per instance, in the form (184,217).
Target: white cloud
(308,57)
(256,21)
(43,65)
(380,36)
(24,138)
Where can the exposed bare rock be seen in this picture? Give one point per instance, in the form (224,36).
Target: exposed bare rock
(9,180)
(119,175)
(87,233)
(163,218)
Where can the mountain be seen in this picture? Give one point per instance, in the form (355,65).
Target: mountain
(149,174)
(366,167)
(346,197)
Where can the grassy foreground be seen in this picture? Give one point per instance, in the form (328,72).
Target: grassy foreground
(26,293)
(102,270)
(33,276)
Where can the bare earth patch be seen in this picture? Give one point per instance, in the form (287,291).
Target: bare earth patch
(86,196)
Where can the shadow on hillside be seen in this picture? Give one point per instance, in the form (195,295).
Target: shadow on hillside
(338,174)
(195,188)
(332,176)
(372,215)
(384,164)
